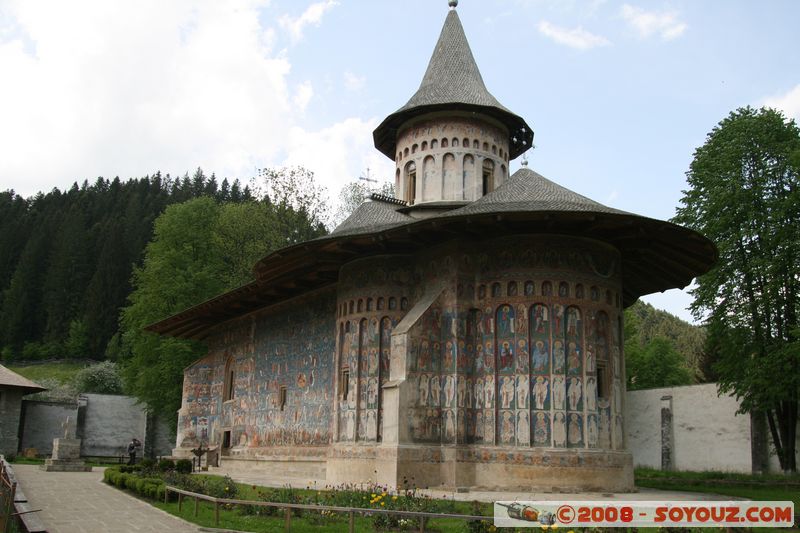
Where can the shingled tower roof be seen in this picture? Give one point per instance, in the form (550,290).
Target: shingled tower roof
(453,82)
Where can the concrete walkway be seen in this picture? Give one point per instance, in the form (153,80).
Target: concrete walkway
(79,502)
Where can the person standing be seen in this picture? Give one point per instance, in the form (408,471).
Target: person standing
(132,446)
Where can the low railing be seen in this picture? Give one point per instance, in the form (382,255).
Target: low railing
(288,507)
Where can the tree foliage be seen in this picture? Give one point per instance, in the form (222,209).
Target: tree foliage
(355,193)
(648,323)
(66,259)
(745,196)
(200,248)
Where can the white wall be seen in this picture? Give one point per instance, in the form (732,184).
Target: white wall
(707,432)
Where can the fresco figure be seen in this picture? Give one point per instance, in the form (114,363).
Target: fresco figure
(523,428)
(558,357)
(591,393)
(423,390)
(547,288)
(528,288)
(462,391)
(540,429)
(573,359)
(479,393)
(590,361)
(506,392)
(559,392)
(540,356)
(540,318)
(507,427)
(574,434)
(522,386)
(574,393)
(506,356)
(558,320)
(522,356)
(449,425)
(372,426)
(488,397)
(435,391)
(591,430)
(540,392)
(559,430)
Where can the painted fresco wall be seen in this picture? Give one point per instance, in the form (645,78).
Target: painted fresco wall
(237,387)
(522,349)
(373,295)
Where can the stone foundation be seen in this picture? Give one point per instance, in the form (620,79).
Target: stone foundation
(66,457)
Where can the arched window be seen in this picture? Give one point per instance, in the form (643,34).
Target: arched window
(488,176)
(360,305)
(434,144)
(476,144)
(465,143)
(512,288)
(454,143)
(369,304)
(494,149)
(414,148)
(405,152)
(403,304)
(444,143)
(485,147)
(495,290)
(424,145)
(392,303)
(380,303)
(449,181)
(411,182)
(482,291)
(352,307)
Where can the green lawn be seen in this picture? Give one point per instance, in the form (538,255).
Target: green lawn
(63,372)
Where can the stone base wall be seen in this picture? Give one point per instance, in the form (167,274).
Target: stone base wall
(485,468)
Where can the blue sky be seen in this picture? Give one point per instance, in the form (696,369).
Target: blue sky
(619,94)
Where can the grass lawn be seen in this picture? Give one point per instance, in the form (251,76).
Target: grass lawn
(63,372)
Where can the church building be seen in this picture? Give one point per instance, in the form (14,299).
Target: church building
(467,333)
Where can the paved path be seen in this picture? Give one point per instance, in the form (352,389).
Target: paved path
(79,502)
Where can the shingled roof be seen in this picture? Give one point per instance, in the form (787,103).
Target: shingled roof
(9,378)
(453,82)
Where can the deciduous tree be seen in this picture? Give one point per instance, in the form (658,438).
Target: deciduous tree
(744,194)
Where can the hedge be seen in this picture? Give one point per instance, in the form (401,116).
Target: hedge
(149,487)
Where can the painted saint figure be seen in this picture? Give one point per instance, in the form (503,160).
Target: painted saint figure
(540,429)
(540,392)
(540,356)
(559,430)
(559,392)
(574,393)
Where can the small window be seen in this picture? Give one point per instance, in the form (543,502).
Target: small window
(424,145)
(230,376)
(344,385)
(444,143)
(392,303)
(283,398)
(495,290)
(369,304)
(352,307)
(482,291)
(434,144)
(360,305)
(603,391)
(414,149)
(475,144)
(380,303)
(405,152)
(485,147)
(454,143)
(578,291)
(529,288)
(403,304)
(512,288)
(465,143)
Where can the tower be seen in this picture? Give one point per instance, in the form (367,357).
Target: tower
(452,141)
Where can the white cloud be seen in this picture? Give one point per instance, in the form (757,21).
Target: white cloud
(312,15)
(577,38)
(93,89)
(788,102)
(353,82)
(303,95)
(667,24)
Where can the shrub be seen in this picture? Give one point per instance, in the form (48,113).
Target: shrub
(165,465)
(147,464)
(102,378)
(183,466)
